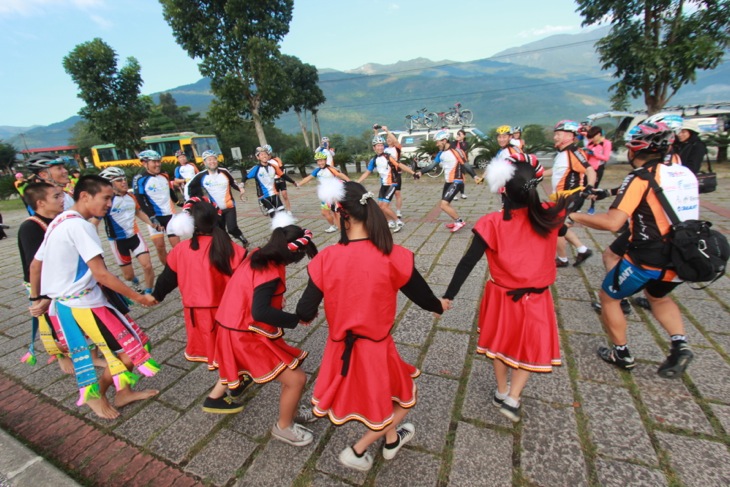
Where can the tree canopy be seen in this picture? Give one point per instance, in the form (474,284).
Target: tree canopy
(114,108)
(656,46)
(238,42)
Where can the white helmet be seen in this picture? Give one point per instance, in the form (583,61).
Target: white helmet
(112,173)
(378,140)
(442,135)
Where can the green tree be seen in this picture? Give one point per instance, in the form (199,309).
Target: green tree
(8,152)
(656,46)
(114,109)
(305,93)
(721,140)
(238,42)
(83,138)
(300,158)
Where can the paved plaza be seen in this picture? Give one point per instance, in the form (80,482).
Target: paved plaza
(585,424)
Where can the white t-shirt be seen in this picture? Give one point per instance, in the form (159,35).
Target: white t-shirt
(186,172)
(219,188)
(68,201)
(70,242)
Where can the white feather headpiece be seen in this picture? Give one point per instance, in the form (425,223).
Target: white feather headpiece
(182,225)
(331,190)
(282,219)
(498,173)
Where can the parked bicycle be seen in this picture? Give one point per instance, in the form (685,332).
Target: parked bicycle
(419,162)
(456,116)
(422,119)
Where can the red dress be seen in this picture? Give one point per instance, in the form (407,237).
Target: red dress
(243,345)
(201,287)
(360,286)
(523,333)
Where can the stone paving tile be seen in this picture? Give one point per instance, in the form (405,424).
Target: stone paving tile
(579,316)
(481,456)
(711,374)
(723,414)
(723,339)
(479,392)
(553,387)
(615,425)
(409,467)
(162,351)
(342,437)
(446,354)
(613,473)
(166,328)
(551,451)
(315,344)
(408,353)
(260,411)
(590,366)
(178,438)
(698,463)
(414,327)
(150,420)
(642,343)
(191,387)
(709,314)
(223,456)
(462,317)
(432,412)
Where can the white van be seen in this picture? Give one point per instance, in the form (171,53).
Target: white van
(411,141)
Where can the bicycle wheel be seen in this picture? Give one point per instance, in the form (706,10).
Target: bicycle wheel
(450,118)
(437,171)
(431,120)
(467,117)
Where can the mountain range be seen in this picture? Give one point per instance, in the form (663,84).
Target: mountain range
(541,82)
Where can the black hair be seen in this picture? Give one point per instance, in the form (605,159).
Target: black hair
(205,219)
(369,213)
(91,184)
(522,191)
(36,192)
(276,251)
(461,131)
(593,131)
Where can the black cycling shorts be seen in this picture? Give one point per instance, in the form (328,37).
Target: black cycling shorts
(450,190)
(386,193)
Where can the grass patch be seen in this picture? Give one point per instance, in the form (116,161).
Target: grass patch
(11,204)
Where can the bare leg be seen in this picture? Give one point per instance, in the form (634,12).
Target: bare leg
(519,379)
(65,364)
(449,210)
(218,391)
(149,273)
(501,374)
(390,432)
(614,320)
(610,260)
(128,395)
(127,272)
(101,406)
(398,201)
(667,314)
(285,199)
(292,385)
(562,248)
(327,214)
(159,243)
(389,214)
(174,240)
(573,239)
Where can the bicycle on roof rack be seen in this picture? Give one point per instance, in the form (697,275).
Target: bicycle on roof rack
(456,116)
(422,119)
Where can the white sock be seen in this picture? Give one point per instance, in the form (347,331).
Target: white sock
(581,249)
(511,402)
(562,259)
(501,396)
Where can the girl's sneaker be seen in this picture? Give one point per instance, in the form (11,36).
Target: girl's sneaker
(514,413)
(222,405)
(349,459)
(405,433)
(296,434)
(330,229)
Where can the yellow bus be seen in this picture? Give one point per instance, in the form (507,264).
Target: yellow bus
(166,144)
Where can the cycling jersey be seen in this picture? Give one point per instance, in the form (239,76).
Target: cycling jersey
(265,177)
(186,172)
(452,163)
(153,193)
(326,173)
(218,186)
(569,168)
(386,166)
(120,220)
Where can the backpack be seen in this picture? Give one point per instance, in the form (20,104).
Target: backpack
(697,253)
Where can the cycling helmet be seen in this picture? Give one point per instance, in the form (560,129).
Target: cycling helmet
(567,126)
(651,137)
(41,162)
(209,153)
(149,155)
(112,173)
(325,139)
(179,153)
(319,155)
(19,175)
(504,129)
(264,148)
(672,121)
(378,140)
(516,128)
(442,135)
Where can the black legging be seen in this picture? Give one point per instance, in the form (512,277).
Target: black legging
(228,222)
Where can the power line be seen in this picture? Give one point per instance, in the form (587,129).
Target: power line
(458,95)
(542,49)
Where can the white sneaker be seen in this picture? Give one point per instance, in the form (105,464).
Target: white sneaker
(349,459)
(405,433)
(398,226)
(288,212)
(398,214)
(330,229)
(296,434)
(391,224)
(463,196)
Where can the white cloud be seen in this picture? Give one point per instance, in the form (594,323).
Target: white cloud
(102,22)
(393,6)
(29,8)
(547,30)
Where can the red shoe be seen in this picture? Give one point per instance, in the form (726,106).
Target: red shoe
(458,226)
(450,225)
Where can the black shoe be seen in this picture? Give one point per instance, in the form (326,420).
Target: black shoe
(625,306)
(222,405)
(238,391)
(642,303)
(244,242)
(4,226)
(582,257)
(513,413)
(561,263)
(677,361)
(609,355)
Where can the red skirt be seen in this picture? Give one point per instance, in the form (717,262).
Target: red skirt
(240,353)
(522,334)
(376,378)
(201,330)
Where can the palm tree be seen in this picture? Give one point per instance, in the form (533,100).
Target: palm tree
(300,158)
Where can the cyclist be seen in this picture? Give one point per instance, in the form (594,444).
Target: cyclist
(20,184)
(461,146)
(325,148)
(184,173)
(517,140)
(156,197)
(265,176)
(506,150)
(51,169)
(570,173)
(322,173)
(218,183)
(123,233)
(454,168)
(282,177)
(599,152)
(644,266)
(395,150)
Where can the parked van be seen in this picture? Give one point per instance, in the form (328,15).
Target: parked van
(410,141)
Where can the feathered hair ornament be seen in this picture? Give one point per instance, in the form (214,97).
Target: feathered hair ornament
(182,225)
(498,173)
(282,219)
(331,190)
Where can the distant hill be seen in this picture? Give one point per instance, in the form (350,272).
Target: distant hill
(541,82)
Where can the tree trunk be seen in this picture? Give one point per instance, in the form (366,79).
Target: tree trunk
(255,103)
(315,142)
(358,167)
(316,123)
(722,153)
(303,126)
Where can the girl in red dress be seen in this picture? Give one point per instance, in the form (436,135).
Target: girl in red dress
(201,267)
(362,377)
(517,325)
(250,321)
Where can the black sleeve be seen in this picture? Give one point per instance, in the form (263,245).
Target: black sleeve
(418,291)
(262,311)
(195,187)
(30,238)
(309,302)
(166,283)
(428,168)
(469,169)
(466,264)
(696,156)
(286,177)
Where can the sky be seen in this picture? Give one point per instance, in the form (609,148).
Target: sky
(35,35)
